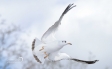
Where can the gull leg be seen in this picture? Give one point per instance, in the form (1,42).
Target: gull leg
(42,48)
(46,55)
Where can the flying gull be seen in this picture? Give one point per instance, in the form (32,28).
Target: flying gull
(48,48)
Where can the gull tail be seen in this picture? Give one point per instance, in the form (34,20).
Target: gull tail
(69,7)
(87,62)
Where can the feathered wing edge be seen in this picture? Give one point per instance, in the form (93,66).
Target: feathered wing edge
(82,61)
(69,7)
(63,56)
(87,62)
(33,46)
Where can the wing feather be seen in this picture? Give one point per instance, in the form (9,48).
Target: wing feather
(51,31)
(63,56)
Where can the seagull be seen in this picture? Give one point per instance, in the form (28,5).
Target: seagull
(49,47)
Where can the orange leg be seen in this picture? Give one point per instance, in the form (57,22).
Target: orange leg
(42,48)
(46,55)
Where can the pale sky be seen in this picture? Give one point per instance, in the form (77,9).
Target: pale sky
(88,26)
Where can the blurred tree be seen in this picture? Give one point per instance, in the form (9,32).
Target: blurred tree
(16,53)
(13,49)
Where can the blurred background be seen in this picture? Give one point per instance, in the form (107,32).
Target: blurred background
(88,27)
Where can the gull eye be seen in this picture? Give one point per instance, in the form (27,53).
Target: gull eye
(65,41)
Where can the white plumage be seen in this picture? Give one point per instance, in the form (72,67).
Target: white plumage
(48,47)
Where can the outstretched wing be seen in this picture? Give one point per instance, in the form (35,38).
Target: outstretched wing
(63,56)
(51,31)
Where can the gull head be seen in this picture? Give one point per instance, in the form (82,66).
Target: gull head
(64,43)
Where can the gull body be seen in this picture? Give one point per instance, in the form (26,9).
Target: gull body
(49,49)
(52,46)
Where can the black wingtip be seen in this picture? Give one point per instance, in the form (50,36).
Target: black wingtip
(69,7)
(72,4)
(91,62)
(87,62)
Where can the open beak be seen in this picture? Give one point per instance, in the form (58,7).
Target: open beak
(69,43)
